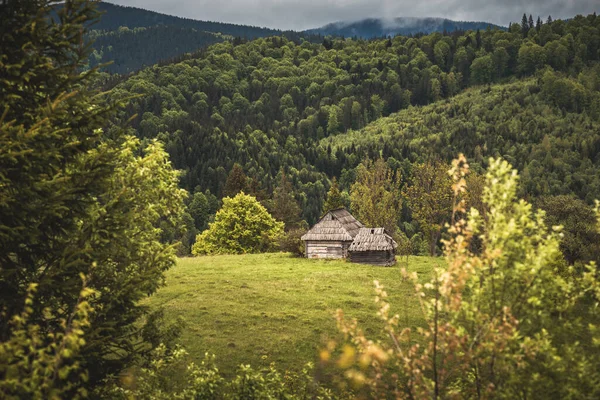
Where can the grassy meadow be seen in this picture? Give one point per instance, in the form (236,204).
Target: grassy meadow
(260,308)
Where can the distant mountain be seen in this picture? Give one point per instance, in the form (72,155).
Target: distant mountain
(128,50)
(133,38)
(116,16)
(379,27)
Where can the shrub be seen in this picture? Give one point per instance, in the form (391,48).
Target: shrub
(503,323)
(242,225)
(290,242)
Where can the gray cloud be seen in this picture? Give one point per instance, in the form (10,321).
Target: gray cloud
(305,14)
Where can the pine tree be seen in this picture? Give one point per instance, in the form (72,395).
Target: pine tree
(538,24)
(524,25)
(285,208)
(236,182)
(549,20)
(334,198)
(530,22)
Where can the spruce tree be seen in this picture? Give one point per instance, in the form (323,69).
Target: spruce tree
(236,182)
(530,22)
(285,208)
(75,199)
(375,196)
(334,198)
(524,25)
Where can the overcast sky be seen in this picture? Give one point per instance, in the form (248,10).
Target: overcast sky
(305,14)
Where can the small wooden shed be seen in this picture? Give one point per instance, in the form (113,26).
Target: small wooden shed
(373,246)
(332,235)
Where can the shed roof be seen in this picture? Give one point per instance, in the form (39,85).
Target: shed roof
(350,224)
(336,225)
(372,239)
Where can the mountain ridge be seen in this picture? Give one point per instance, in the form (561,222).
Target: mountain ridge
(369,28)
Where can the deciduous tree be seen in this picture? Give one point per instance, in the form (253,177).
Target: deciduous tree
(374,197)
(503,323)
(429,197)
(242,225)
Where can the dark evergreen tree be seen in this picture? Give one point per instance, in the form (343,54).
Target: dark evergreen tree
(236,182)
(524,25)
(530,22)
(284,206)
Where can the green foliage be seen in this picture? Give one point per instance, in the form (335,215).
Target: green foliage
(291,242)
(504,323)
(38,365)
(201,208)
(242,225)
(482,69)
(274,103)
(531,58)
(429,197)
(284,206)
(129,50)
(133,37)
(334,198)
(555,151)
(375,196)
(75,192)
(580,242)
(171,375)
(236,182)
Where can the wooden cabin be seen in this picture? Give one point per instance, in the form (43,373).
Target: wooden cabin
(373,246)
(332,235)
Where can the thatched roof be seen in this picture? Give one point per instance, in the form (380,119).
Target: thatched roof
(336,225)
(372,239)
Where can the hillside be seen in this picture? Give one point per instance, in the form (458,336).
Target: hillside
(556,151)
(128,50)
(242,308)
(134,38)
(379,27)
(116,16)
(269,103)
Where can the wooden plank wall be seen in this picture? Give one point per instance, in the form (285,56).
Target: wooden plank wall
(373,257)
(331,249)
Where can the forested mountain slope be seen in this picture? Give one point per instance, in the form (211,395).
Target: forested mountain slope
(556,149)
(133,38)
(268,104)
(116,16)
(128,50)
(378,27)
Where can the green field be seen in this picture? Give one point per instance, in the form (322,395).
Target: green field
(255,309)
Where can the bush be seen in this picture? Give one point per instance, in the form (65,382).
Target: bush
(171,375)
(503,323)
(243,225)
(290,242)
